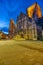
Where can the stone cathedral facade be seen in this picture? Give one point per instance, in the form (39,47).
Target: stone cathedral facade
(28,27)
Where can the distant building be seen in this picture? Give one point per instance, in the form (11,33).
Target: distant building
(3,36)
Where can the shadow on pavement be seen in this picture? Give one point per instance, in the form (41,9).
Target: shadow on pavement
(32,48)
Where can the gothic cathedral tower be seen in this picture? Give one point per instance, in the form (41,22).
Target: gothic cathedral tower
(11,28)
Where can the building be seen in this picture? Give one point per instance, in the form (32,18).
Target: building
(28,26)
(3,36)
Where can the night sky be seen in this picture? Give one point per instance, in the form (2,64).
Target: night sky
(10,9)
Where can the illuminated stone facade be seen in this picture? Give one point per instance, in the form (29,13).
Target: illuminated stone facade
(28,27)
(31,9)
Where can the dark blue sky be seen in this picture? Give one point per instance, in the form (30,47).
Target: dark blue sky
(10,9)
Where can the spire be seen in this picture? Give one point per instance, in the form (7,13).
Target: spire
(36,2)
(35,11)
(34,8)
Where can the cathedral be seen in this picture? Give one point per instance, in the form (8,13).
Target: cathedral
(28,25)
